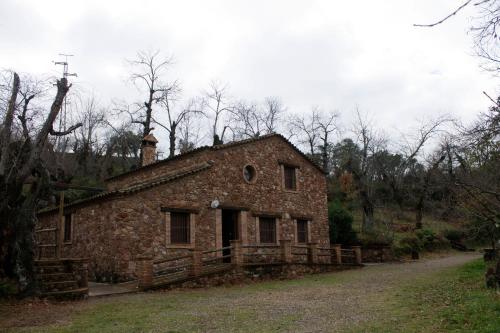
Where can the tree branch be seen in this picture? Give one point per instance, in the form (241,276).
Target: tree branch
(63,133)
(7,125)
(444,19)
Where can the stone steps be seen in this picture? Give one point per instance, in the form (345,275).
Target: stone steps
(48,286)
(56,279)
(67,294)
(50,269)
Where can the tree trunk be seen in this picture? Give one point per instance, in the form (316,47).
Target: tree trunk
(366,202)
(146,129)
(419,212)
(324,153)
(7,127)
(149,113)
(171,137)
(368,211)
(419,208)
(18,207)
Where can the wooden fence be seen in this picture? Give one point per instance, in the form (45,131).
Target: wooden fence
(197,263)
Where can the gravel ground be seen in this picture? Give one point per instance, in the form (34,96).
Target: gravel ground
(353,297)
(326,302)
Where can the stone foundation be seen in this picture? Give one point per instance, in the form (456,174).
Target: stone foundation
(255,273)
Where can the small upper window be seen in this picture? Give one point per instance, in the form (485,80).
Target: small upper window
(290,177)
(249,173)
(67,228)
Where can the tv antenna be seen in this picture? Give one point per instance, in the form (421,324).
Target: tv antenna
(62,119)
(65,64)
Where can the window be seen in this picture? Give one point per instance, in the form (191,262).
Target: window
(290,177)
(249,174)
(302,236)
(179,228)
(67,228)
(267,229)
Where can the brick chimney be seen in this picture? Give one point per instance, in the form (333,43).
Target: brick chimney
(148,149)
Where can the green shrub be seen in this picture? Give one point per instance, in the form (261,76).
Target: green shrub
(431,241)
(340,221)
(408,245)
(426,237)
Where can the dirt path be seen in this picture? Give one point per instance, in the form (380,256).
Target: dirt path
(335,308)
(350,298)
(319,303)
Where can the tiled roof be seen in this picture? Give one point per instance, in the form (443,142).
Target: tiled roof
(134,188)
(218,147)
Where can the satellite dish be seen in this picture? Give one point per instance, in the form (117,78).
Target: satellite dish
(214,204)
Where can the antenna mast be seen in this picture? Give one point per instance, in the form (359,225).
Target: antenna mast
(62,118)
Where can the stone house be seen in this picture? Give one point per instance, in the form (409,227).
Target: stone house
(259,190)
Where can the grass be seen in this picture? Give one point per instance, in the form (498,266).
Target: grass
(188,310)
(455,300)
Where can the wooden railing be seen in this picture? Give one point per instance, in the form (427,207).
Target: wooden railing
(197,263)
(42,246)
(172,264)
(211,256)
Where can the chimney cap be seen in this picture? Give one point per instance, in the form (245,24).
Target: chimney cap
(150,138)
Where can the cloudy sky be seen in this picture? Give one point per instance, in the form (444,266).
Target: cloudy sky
(334,54)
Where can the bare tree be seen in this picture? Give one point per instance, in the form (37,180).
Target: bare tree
(20,159)
(408,153)
(484,28)
(149,69)
(189,132)
(175,115)
(272,113)
(246,120)
(86,142)
(423,184)
(250,120)
(327,124)
(370,143)
(305,127)
(218,104)
(476,152)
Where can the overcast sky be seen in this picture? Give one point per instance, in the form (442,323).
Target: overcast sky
(334,54)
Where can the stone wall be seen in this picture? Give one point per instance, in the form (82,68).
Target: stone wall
(378,254)
(113,232)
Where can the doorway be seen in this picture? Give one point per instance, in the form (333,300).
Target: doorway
(229,230)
